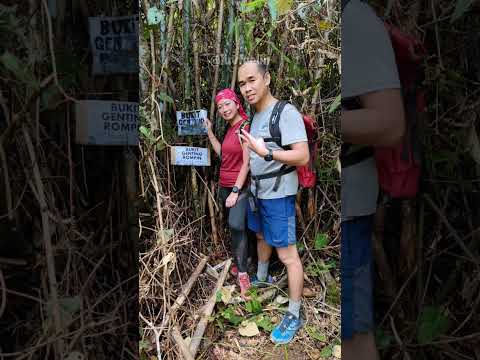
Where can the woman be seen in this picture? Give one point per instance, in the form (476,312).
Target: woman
(234,170)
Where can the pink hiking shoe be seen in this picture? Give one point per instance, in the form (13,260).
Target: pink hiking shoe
(244,282)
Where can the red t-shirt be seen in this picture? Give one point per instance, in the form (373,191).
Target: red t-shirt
(232,156)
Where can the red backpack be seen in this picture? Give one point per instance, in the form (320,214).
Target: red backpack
(306,173)
(398,167)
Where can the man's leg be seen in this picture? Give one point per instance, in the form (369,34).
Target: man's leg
(290,258)
(358,340)
(264,252)
(360,347)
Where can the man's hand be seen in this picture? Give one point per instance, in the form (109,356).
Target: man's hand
(231,200)
(256,145)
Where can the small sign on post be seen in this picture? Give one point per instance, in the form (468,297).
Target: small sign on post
(114,43)
(101,122)
(191,122)
(190,156)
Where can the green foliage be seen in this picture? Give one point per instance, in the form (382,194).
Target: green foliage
(332,296)
(321,240)
(253,306)
(432,324)
(382,339)
(317,269)
(17,67)
(314,333)
(461,7)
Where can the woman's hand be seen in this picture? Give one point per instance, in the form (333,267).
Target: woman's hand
(208,124)
(231,200)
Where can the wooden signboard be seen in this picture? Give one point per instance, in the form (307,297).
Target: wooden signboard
(114,43)
(101,122)
(190,156)
(191,122)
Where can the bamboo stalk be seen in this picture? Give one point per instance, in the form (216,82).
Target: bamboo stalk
(207,311)
(8,190)
(217,58)
(49,252)
(213,222)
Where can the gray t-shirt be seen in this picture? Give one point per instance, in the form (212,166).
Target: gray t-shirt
(293,131)
(368,64)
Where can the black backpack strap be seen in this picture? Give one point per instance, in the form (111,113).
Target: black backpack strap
(276,137)
(274,125)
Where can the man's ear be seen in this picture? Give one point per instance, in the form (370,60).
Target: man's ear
(267,78)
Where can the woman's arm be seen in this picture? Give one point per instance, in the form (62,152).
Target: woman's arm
(242,176)
(217,146)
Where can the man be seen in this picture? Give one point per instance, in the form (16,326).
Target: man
(369,76)
(273,219)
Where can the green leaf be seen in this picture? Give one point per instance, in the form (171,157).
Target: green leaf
(252,6)
(218,296)
(265,323)
(145,131)
(321,240)
(433,323)
(253,306)
(315,334)
(326,351)
(22,73)
(229,314)
(335,104)
(164,97)
(383,340)
(461,7)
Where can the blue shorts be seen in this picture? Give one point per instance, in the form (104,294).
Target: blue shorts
(357,276)
(275,218)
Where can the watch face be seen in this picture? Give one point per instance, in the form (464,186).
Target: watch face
(235,189)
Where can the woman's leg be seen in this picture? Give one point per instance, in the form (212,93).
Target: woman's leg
(236,222)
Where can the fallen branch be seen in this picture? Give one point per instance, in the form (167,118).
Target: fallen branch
(207,311)
(182,345)
(184,293)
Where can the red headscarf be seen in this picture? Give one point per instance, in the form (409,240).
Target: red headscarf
(230,95)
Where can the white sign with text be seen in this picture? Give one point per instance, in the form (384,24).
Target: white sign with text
(191,122)
(100,122)
(114,43)
(190,156)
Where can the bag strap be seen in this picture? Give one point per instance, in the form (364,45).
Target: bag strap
(274,124)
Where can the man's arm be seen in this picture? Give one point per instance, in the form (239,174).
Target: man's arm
(380,122)
(297,155)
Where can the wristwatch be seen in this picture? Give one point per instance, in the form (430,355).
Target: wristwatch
(269,156)
(235,190)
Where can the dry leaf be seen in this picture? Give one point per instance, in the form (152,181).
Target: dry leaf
(281,299)
(308,292)
(75,355)
(337,351)
(248,328)
(227,292)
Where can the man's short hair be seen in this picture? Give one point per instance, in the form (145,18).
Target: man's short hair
(262,67)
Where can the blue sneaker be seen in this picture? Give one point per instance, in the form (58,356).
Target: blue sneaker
(261,284)
(286,330)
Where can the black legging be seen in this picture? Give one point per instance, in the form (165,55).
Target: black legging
(237,223)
